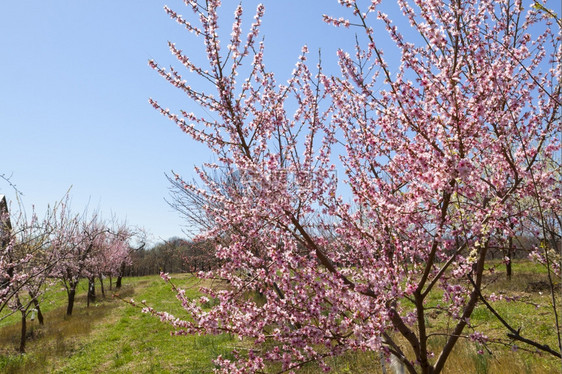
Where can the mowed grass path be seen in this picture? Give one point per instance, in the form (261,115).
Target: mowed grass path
(112,336)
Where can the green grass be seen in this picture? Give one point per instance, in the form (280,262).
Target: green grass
(112,336)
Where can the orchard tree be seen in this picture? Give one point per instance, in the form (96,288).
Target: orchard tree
(76,241)
(32,252)
(88,247)
(26,261)
(435,154)
(6,245)
(113,255)
(67,243)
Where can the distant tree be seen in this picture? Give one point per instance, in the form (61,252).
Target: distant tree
(118,253)
(109,255)
(172,255)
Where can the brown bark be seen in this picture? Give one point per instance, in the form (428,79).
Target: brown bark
(38,308)
(71,294)
(509,255)
(101,285)
(23,330)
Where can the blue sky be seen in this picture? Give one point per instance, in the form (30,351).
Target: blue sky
(73,99)
(74,89)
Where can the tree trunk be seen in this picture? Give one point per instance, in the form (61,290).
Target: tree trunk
(110,282)
(23,328)
(71,294)
(509,255)
(91,290)
(38,308)
(120,276)
(23,312)
(101,285)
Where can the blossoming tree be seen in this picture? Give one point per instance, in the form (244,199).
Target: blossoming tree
(86,247)
(112,255)
(435,153)
(26,260)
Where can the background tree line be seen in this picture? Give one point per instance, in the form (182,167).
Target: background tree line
(174,255)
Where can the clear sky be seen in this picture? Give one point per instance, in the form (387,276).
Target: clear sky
(74,89)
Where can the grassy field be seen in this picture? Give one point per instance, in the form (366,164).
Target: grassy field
(111,337)
(114,337)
